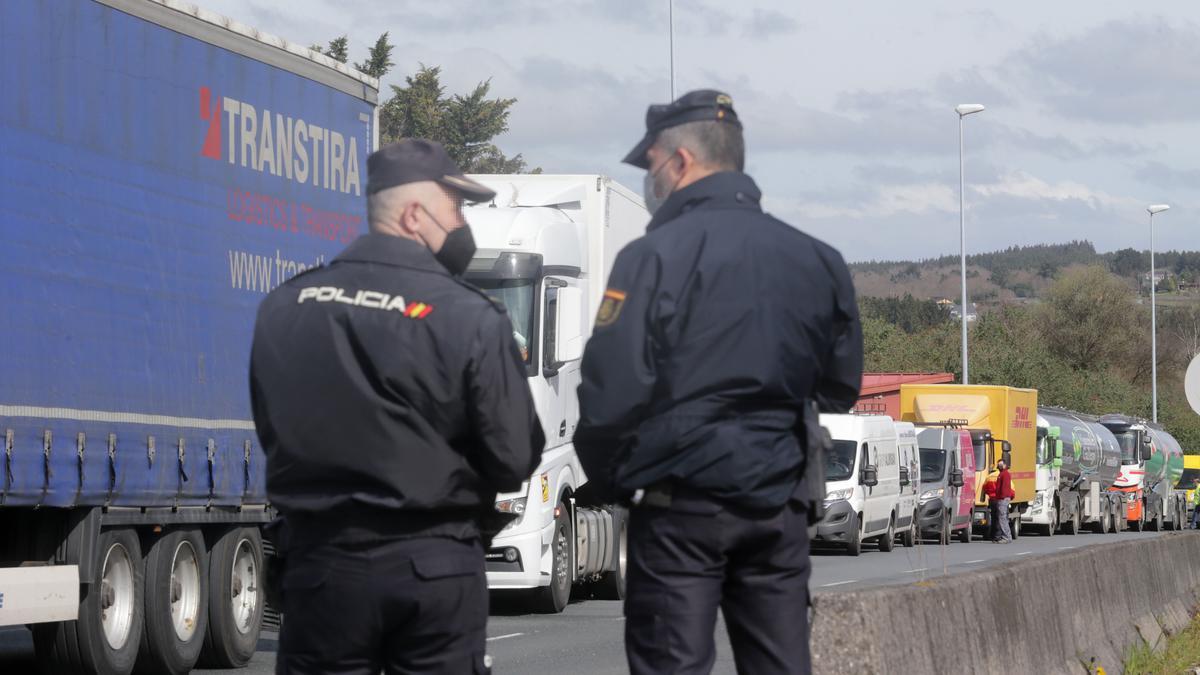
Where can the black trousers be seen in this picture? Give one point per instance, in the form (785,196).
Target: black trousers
(696,555)
(408,606)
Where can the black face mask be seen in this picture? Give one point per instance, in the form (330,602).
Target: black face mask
(458,248)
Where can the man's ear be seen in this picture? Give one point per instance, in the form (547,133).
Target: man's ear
(410,218)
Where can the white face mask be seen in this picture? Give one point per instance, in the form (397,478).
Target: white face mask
(650,188)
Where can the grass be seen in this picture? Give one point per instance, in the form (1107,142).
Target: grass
(1181,655)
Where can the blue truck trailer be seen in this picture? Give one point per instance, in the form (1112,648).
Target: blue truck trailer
(162,169)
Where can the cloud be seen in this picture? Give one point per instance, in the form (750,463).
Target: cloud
(1161,175)
(1132,72)
(767,23)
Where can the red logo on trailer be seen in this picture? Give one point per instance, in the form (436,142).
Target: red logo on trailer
(210,110)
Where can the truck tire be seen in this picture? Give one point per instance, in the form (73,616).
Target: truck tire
(964,535)
(909,538)
(887,540)
(1156,525)
(176,593)
(553,599)
(1115,522)
(1014,527)
(105,638)
(235,598)
(612,585)
(1051,522)
(1071,527)
(854,540)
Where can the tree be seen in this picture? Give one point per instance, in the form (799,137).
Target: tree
(379,58)
(1129,263)
(466,125)
(338,49)
(1048,270)
(1087,316)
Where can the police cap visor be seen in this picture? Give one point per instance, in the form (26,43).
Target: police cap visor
(415,160)
(694,106)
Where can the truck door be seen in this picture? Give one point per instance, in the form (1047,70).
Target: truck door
(560,370)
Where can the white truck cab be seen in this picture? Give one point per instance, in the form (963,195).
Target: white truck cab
(862,482)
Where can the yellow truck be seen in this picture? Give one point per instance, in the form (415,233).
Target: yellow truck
(1189,481)
(1003,425)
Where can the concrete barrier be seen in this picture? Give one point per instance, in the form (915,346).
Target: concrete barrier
(1058,613)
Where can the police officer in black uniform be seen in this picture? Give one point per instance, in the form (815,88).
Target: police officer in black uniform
(392,404)
(719,330)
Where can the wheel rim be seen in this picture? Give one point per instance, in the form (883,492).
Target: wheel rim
(185,591)
(560,557)
(117,596)
(243,588)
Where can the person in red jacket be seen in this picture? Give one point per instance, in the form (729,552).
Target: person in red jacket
(1004,495)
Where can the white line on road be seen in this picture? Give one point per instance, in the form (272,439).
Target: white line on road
(504,637)
(1065,548)
(972,562)
(839,583)
(919,569)
(1025,553)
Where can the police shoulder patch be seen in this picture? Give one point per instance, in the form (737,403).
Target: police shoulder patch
(610,307)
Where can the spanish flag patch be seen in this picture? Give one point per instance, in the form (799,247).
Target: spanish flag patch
(610,307)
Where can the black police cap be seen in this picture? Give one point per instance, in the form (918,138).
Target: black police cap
(694,106)
(413,160)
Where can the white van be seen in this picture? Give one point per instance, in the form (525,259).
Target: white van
(862,482)
(910,484)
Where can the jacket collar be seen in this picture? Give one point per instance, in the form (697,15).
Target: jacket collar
(385,249)
(727,189)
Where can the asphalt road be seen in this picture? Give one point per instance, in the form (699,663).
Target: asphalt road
(587,637)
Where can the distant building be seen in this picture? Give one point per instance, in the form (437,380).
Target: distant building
(944,303)
(1159,277)
(972,312)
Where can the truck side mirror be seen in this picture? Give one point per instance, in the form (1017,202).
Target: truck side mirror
(956,478)
(869,476)
(904,481)
(1058,448)
(568,325)
(1006,452)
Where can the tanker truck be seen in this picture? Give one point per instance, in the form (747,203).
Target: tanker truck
(1151,467)
(1078,460)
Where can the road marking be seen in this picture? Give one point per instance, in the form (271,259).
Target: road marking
(919,569)
(1025,553)
(972,562)
(1065,548)
(839,583)
(505,637)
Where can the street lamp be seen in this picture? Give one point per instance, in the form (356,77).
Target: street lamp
(671,15)
(963,109)
(1153,209)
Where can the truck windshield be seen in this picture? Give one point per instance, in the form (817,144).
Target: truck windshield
(517,297)
(1128,441)
(933,464)
(839,464)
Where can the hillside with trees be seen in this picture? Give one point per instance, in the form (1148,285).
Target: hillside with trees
(1084,346)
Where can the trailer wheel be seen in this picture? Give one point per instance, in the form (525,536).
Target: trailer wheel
(176,603)
(553,599)
(854,542)
(887,540)
(612,586)
(106,636)
(235,598)
(909,538)
(1156,525)
(1071,527)
(1114,520)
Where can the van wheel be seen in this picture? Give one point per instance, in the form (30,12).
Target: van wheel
(176,604)
(553,599)
(887,540)
(235,599)
(964,535)
(909,538)
(106,636)
(854,543)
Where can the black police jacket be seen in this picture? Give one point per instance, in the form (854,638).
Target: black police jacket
(717,328)
(383,384)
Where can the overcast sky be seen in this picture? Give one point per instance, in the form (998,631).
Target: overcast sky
(1093,106)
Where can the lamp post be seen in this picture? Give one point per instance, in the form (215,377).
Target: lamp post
(671,15)
(963,109)
(1153,209)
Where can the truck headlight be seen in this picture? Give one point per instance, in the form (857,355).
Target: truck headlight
(1037,501)
(838,495)
(932,494)
(514,506)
